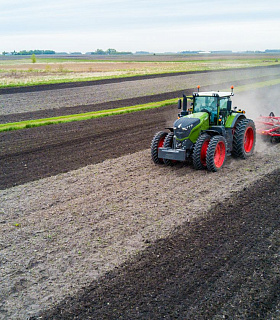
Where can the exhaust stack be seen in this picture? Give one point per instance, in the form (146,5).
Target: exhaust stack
(184,111)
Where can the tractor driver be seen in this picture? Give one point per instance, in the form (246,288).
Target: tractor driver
(212,107)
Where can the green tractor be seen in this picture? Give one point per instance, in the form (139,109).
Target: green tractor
(206,133)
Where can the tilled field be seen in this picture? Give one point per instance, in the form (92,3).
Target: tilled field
(32,154)
(208,243)
(61,233)
(28,155)
(71,97)
(223,266)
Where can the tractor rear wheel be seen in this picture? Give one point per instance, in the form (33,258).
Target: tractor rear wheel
(157,143)
(216,153)
(168,143)
(199,151)
(244,139)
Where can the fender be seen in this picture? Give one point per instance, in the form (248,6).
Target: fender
(170,129)
(233,118)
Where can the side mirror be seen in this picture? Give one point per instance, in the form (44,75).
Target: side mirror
(179,104)
(229,105)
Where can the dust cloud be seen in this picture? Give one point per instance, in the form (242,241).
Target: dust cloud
(259,101)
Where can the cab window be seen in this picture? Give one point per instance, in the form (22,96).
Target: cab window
(223,104)
(208,103)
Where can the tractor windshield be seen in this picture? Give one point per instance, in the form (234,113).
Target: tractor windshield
(207,103)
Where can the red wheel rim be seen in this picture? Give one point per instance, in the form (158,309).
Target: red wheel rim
(161,142)
(220,153)
(203,152)
(248,139)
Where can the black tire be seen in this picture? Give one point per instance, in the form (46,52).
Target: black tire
(199,151)
(216,153)
(274,140)
(244,139)
(168,143)
(157,142)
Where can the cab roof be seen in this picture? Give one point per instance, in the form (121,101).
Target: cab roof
(213,94)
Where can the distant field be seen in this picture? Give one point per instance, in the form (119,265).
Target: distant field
(22,72)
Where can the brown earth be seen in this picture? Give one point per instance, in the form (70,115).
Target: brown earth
(61,233)
(28,155)
(223,266)
(11,90)
(209,242)
(58,97)
(48,113)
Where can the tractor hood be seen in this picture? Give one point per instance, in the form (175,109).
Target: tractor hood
(189,127)
(183,127)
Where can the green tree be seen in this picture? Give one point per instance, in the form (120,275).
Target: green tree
(99,51)
(33,58)
(111,51)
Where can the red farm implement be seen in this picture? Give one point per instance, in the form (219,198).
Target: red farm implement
(269,127)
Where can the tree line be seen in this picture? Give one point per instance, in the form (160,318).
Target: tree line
(109,51)
(39,52)
(28,52)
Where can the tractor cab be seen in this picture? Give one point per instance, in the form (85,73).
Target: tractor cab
(216,104)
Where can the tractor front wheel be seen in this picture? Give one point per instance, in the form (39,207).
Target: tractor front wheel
(157,143)
(199,151)
(244,139)
(216,153)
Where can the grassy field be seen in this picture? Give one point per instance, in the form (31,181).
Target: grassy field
(23,72)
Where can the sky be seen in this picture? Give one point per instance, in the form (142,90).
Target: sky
(139,25)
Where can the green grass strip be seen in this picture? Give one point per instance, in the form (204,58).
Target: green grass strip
(112,112)
(84,116)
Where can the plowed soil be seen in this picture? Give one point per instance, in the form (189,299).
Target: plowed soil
(32,154)
(224,266)
(58,98)
(61,233)
(90,228)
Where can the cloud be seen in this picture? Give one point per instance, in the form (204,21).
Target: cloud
(168,23)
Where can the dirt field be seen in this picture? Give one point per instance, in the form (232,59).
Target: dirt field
(61,233)
(92,229)
(28,155)
(223,266)
(75,96)
(33,154)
